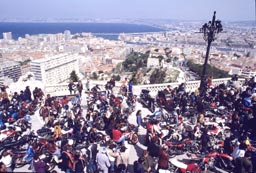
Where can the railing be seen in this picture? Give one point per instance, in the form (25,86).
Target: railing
(62,89)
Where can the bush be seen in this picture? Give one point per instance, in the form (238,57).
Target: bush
(116,77)
(134,61)
(157,76)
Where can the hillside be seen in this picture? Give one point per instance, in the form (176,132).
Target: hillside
(135,68)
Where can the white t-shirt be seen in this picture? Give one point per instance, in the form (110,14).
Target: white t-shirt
(238,153)
(7,160)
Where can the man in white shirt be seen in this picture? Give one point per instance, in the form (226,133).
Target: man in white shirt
(103,160)
(7,160)
(239,151)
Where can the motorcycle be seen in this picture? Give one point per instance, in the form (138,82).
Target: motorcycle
(193,165)
(178,148)
(147,100)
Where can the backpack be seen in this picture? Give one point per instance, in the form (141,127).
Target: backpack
(135,166)
(71,160)
(121,168)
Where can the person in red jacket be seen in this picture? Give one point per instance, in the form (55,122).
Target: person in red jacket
(163,158)
(117,135)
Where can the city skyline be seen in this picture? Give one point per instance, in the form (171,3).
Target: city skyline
(228,10)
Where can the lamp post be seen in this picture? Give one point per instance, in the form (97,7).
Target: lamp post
(210,30)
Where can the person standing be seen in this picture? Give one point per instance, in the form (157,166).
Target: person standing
(138,166)
(67,160)
(103,160)
(163,161)
(148,162)
(79,163)
(7,160)
(205,140)
(112,156)
(124,87)
(122,159)
(87,84)
(244,164)
(71,87)
(79,87)
(27,94)
(139,118)
(2,167)
(38,166)
(130,91)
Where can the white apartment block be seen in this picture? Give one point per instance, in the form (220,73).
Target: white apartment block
(55,69)
(7,36)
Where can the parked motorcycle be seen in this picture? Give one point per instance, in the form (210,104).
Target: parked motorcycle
(147,100)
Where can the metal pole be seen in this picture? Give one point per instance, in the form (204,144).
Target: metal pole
(209,39)
(203,77)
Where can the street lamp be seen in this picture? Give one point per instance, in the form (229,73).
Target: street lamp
(210,31)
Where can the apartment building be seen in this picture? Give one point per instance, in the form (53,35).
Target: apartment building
(9,70)
(54,69)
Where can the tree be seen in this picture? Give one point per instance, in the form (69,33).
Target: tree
(168,60)
(73,76)
(116,77)
(157,76)
(211,70)
(94,75)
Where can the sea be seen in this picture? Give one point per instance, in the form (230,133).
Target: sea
(105,30)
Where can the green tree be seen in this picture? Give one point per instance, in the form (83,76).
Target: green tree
(157,76)
(168,60)
(175,59)
(211,70)
(73,76)
(94,75)
(116,77)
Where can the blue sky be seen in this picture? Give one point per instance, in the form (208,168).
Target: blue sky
(139,9)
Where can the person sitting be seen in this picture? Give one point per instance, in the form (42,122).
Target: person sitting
(117,135)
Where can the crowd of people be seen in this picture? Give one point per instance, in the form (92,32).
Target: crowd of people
(106,149)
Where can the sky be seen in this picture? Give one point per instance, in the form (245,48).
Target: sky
(227,10)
